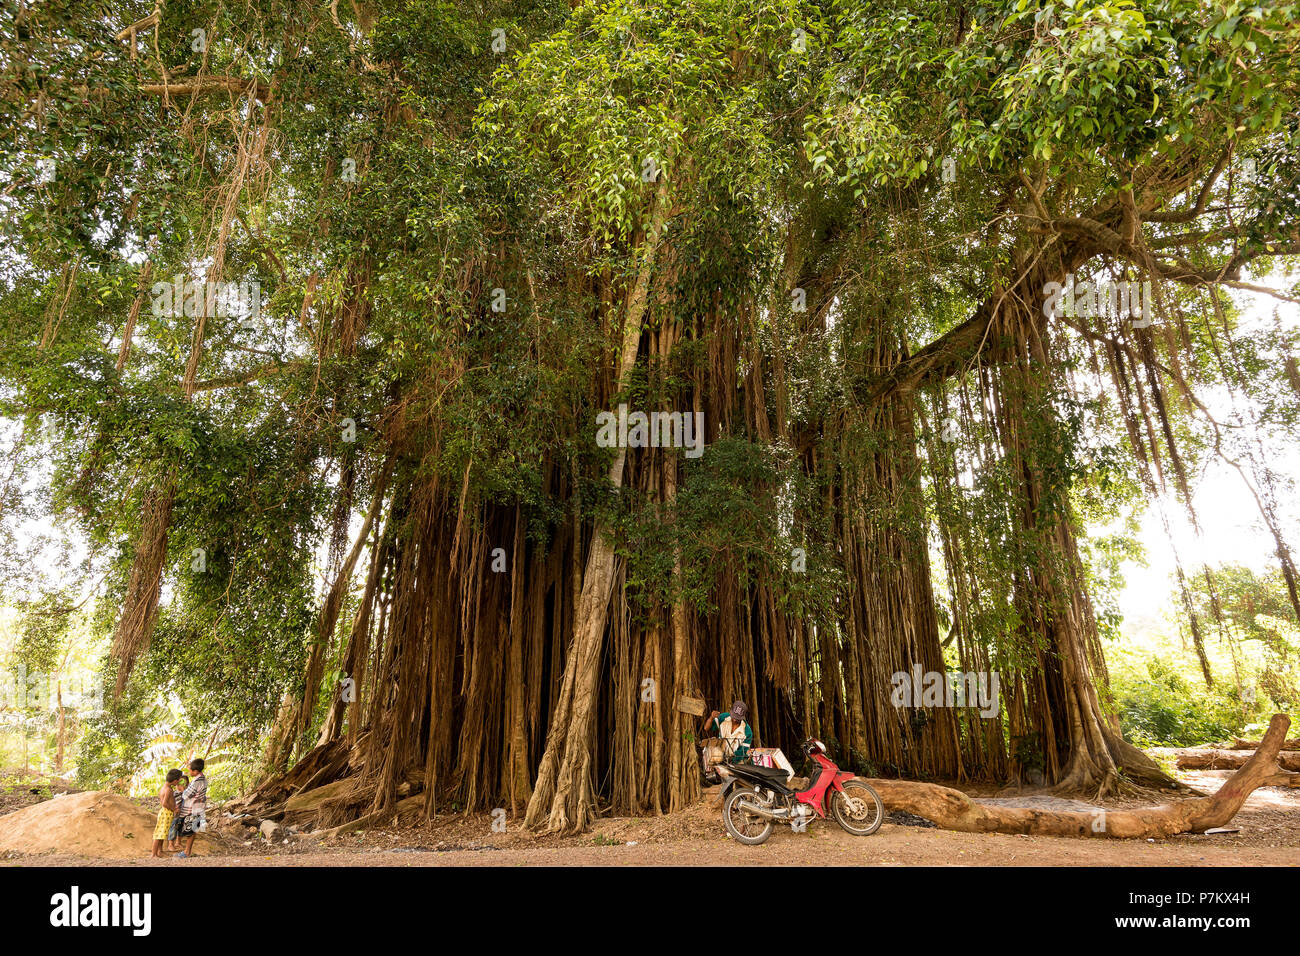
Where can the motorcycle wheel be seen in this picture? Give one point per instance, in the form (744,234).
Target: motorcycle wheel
(744,827)
(857,808)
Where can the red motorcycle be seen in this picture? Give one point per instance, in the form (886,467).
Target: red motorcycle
(756,798)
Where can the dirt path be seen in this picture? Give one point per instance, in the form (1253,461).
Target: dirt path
(821,845)
(1269,835)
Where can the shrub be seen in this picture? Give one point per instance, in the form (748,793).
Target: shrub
(1164,710)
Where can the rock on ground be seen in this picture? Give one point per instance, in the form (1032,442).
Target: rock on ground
(271,830)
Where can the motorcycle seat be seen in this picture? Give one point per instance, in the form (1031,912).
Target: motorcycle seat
(775,774)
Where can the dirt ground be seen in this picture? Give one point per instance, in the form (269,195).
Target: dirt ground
(1269,835)
(18,790)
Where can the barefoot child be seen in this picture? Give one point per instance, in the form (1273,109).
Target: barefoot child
(195,801)
(174,833)
(166,810)
(178,822)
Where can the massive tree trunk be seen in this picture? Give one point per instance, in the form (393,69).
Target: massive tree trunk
(562,798)
(890,621)
(1053,704)
(1051,590)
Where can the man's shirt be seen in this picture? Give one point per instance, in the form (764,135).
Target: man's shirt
(738,735)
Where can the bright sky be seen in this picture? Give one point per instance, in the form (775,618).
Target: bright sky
(1231,529)
(1232,533)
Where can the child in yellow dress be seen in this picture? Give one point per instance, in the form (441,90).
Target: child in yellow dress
(166,810)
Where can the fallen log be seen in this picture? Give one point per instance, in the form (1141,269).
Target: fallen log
(1291,743)
(1230,759)
(954,810)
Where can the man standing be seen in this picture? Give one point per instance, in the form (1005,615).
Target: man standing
(194,801)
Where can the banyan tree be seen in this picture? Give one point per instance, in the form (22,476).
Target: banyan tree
(326,312)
